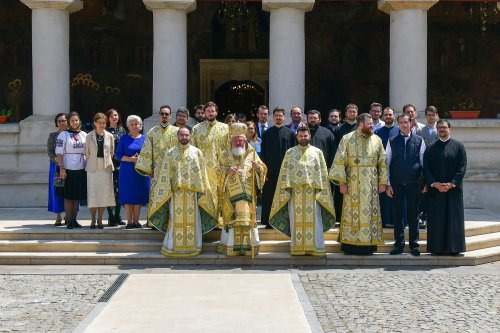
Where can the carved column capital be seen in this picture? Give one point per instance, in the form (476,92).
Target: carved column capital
(69,5)
(390,5)
(187,5)
(305,5)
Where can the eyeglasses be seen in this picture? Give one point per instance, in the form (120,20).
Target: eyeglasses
(164,114)
(62,121)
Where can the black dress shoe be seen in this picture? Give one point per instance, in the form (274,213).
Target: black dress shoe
(119,221)
(76,224)
(415,252)
(396,251)
(69,225)
(268,226)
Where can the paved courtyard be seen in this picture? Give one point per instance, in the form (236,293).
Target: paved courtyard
(423,299)
(404,302)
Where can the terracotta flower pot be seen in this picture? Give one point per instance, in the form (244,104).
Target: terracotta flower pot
(464,114)
(3,119)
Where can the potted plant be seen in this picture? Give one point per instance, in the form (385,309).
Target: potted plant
(5,115)
(465,110)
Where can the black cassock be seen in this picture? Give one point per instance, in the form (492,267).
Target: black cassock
(275,142)
(338,198)
(323,139)
(445,162)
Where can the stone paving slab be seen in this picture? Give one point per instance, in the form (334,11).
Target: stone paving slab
(404,302)
(203,303)
(48,303)
(358,299)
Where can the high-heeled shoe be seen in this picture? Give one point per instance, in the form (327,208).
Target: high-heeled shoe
(99,225)
(92,224)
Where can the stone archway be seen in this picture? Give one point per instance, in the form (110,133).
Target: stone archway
(216,75)
(239,97)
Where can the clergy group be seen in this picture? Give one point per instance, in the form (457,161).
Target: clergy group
(372,171)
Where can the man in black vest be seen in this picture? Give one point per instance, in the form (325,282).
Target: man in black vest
(405,159)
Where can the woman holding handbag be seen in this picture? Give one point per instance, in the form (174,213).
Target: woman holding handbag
(56,199)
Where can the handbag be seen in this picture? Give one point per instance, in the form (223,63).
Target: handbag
(58,181)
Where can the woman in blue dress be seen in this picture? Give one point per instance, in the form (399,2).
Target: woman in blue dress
(133,188)
(56,199)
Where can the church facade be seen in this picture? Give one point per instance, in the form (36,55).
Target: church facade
(137,55)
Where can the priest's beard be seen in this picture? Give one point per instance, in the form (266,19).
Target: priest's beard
(304,142)
(238,151)
(367,131)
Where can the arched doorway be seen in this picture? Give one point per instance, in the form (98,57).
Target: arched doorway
(239,97)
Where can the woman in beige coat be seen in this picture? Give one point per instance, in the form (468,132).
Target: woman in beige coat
(99,150)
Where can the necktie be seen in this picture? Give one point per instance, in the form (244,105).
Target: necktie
(261,129)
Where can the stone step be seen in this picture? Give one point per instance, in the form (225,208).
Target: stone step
(49,232)
(145,245)
(276,259)
(482,241)
(119,233)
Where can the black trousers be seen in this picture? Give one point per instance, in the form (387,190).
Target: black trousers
(267,197)
(405,196)
(385,209)
(338,201)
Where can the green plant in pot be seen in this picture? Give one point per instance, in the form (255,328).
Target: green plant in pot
(466,110)
(5,115)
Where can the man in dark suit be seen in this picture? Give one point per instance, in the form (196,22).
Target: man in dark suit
(405,158)
(261,124)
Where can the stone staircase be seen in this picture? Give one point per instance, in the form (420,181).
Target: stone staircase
(40,243)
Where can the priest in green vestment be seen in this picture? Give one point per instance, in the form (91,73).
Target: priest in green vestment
(182,204)
(360,171)
(303,204)
(209,136)
(240,175)
(159,140)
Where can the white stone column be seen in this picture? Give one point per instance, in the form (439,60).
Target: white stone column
(408,51)
(287,52)
(50,56)
(50,52)
(170,52)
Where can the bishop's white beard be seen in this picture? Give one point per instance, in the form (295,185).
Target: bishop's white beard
(238,151)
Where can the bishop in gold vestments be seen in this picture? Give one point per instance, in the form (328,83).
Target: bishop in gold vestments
(303,203)
(360,170)
(241,173)
(182,204)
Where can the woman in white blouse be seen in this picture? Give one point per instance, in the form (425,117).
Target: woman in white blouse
(70,151)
